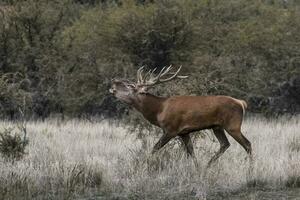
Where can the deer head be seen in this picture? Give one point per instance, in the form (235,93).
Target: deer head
(127,91)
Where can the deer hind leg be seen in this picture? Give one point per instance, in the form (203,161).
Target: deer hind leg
(161,142)
(224,144)
(242,140)
(233,128)
(189,147)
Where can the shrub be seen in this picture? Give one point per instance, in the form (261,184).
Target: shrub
(12,146)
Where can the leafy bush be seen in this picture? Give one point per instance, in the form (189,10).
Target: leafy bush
(69,50)
(12,146)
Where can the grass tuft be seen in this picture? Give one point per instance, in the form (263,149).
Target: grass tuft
(12,146)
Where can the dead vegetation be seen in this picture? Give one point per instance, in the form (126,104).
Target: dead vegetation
(73,159)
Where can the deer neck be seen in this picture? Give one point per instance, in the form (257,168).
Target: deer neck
(149,105)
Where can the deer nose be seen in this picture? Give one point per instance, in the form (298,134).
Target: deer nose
(112,90)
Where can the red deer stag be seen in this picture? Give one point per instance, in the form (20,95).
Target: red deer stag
(181,115)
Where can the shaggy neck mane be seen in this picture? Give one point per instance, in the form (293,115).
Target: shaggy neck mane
(149,105)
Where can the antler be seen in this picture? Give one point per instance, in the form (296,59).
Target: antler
(153,80)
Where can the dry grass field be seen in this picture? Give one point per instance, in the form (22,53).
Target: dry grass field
(106,160)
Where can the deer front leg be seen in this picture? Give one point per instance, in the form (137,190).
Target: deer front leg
(189,148)
(161,142)
(224,144)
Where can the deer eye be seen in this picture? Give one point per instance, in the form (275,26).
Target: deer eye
(131,86)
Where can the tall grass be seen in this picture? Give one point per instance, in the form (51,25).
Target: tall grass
(79,159)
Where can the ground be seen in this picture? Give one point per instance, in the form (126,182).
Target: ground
(106,160)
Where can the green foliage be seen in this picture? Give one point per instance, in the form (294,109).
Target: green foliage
(13,93)
(156,35)
(12,146)
(30,44)
(68,51)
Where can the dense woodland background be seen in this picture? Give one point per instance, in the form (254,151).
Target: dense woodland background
(58,56)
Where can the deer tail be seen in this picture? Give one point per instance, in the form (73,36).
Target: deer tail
(244,105)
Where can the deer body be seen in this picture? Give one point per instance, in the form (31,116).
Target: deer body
(181,115)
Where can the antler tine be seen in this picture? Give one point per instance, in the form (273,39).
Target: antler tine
(147,74)
(174,76)
(181,75)
(151,76)
(167,70)
(152,72)
(156,78)
(139,75)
